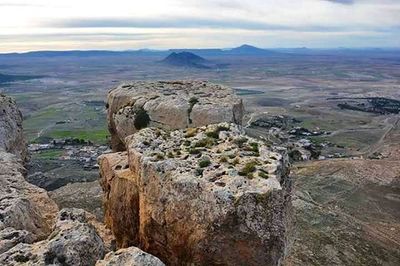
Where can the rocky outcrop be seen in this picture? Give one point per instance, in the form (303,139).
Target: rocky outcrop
(168,105)
(30,233)
(74,241)
(130,257)
(121,198)
(200,196)
(23,206)
(27,214)
(11,135)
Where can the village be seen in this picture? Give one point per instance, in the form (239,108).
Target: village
(69,149)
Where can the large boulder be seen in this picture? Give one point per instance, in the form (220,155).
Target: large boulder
(200,196)
(130,257)
(74,241)
(169,105)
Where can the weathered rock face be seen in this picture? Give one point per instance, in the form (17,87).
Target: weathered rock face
(11,135)
(121,198)
(23,206)
(74,241)
(168,105)
(130,257)
(30,233)
(27,214)
(201,196)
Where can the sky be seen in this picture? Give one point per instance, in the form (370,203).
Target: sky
(27,25)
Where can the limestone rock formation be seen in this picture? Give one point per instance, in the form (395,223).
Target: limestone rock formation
(27,214)
(11,135)
(199,196)
(23,206)
(169,105)
(121,202)
(74,241)
(130,257)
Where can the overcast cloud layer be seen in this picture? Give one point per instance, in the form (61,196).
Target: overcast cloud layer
(126,24)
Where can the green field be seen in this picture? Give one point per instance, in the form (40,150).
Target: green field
(97,136)
(49,154)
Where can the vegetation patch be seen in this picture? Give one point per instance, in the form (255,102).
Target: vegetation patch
(142,119)
(215,133)
(192,102)
(49,154)
(190,132)
(204,163)
(206,142)
(248,169)
(194,151)
(240,141)
(95,136)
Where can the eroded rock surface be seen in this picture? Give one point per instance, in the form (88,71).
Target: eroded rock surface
(130,257)
(74,241)
(27,214)
(169,105)
(203,196)
(11,134)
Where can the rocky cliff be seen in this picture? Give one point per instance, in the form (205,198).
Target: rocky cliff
(11,135)
(204,194)
(32,229)
(27,214)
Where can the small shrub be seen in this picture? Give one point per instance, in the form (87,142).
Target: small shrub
(248,169)
(240,141)
(223,159)
(193,101)
(190,132)
(206,142)
(204,163)
(199,171)
(159,156)
(236,161)
(263,174)
(142,119)
(194,151)
(232,156)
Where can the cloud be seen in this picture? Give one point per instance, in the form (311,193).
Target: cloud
(207,23)
(184,22)
(343,2)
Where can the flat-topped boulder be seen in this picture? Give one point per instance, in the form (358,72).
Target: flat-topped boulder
(204,196)
(169,105)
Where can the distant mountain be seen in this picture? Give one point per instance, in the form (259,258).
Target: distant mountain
(246,49)
(186,59)
(243,50)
